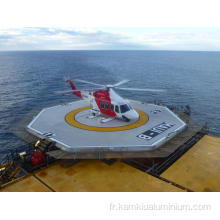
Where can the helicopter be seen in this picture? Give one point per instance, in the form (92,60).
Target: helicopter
(105,101)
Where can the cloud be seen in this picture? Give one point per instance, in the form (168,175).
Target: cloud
(5,37)
(39,38)
(197,39)
(55,38)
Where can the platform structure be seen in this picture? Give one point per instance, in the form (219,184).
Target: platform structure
(73,129)
(91,176)
(198,169)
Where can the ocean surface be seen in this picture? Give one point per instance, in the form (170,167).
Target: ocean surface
(28,80)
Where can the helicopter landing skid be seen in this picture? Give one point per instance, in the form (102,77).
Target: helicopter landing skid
(92,116)
(104,120)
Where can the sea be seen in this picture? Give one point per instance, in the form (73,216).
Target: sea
(30,79)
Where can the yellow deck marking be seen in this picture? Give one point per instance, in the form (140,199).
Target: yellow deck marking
(70,119)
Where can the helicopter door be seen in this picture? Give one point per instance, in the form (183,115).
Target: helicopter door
(112,108)
(117,111)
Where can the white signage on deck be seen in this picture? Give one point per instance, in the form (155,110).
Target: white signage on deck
(153,132)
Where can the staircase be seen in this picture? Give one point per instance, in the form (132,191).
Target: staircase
(10,170)
(43,145)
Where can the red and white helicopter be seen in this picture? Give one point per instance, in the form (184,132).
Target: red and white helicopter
(105,101)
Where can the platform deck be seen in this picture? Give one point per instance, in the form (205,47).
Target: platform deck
(199,168)
(131,136)
(29,184)
(95,175)
(92,176)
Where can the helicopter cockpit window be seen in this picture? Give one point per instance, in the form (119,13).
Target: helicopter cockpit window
(112,107)
(117,108)
(124,108)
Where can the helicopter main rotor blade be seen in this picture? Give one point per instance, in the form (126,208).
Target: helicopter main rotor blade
(120,83)
(144,90)
(92,83)
(77,90)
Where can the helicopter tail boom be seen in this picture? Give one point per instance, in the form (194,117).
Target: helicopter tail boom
(77,93)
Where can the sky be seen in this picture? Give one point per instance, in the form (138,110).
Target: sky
(110,25)
(110,38)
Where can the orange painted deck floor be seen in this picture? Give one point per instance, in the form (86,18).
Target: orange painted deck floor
(29,184)
(199,168)
(91,175)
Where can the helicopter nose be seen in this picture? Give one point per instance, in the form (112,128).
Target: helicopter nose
(132,115)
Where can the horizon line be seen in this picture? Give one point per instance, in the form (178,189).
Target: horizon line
(109,50)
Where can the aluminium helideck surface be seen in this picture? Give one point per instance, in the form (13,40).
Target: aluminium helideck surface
(162,125)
